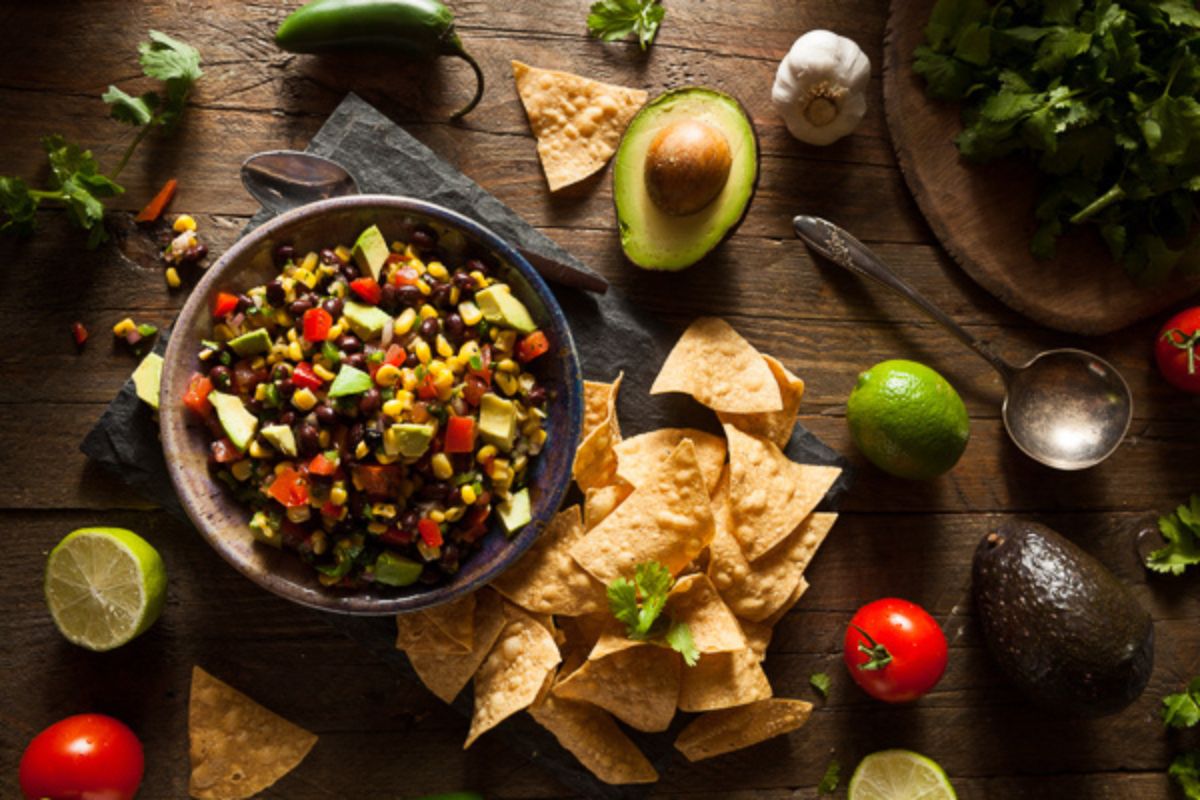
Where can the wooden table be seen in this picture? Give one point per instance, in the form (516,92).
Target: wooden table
(381,739)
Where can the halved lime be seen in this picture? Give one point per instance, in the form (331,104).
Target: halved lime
(899,775)
(104,586)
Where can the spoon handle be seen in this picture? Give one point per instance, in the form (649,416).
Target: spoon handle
(850,254)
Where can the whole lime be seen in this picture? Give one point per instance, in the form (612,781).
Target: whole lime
(907,419)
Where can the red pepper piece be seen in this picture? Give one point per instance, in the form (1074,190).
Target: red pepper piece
(156,206)
(367,289)
(460,435)
(405,276)
(289,488)
(304,377)
(431,532)
(532,346)
(79,333)
(427,390)
(224,304)
(317,322)
(196,397)
(320,465)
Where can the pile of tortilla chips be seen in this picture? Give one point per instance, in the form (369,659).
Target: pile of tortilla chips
(733,520)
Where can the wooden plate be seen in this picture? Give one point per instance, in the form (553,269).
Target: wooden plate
(983,215)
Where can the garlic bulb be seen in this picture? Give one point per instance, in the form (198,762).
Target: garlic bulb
(820,87)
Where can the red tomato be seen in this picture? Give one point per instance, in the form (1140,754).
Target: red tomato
(317,322)
(289,488)
(85,757)
(405,276)
(894,650)
(431,532)
(532,346)
(320,465)
(367,289)
(196,398)
(427,390)
(304,377)
(1175,350)
(460,435)
(224,304)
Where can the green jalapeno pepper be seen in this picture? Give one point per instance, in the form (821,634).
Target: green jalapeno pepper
(420,29)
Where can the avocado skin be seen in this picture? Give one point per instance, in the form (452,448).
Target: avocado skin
(1062,627)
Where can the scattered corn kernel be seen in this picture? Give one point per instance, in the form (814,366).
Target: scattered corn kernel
(376,528)
(343,252)
(385,510)
(438,270)
(123,327)
(405,321)
(455,514)
(505,341)
(421,348)
(184,222)
(455,294)
(506,382)
(480,280)
(260,392)
(304,399)
(300,514)
(383,458)
(309,263)
(323,437)
(470,313)
(468,495)
(338,495)
(444,348)
(256,450)
(408,379)
(173,280)
(323,373)
(428,312)
(361,451)
(485,452)
(437,516)
(423,287)
(507,365)
(241,469)
(442,468)
(387,375)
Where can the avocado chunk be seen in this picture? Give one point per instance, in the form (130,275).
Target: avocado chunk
(1062,627)
(515,512)
(254,343)
(371,251)
(281,438)
(147,379)
(499,307)
(350,380)
(239,424)
(264,530)
(497,421)
(366,321)
(396,570)
(683,177)
(407,439)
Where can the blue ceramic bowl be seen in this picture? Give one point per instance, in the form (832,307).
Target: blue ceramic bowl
(223,522)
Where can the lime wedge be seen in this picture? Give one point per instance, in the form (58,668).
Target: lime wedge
(104,586)
(899,775)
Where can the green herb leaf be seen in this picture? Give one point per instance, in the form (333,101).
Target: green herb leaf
(1181,531)
(1182,710)
(136,111)
(653,582)
(829,781)
(177,65)
(679,636)
(19,207)
(820,682)
(1185,769)
(610,20)
(622,601)
(638,605)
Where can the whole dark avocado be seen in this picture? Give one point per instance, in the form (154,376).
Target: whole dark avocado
(1059,624)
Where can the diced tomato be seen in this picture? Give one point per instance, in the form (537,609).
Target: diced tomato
(223,451)
(532,346)
(395,355)
(331,511)
(196,397)
(79,333)
(419,413)
(430,532)
(474,389)
(367,289)
(396,537)
(317,322)
(304,377)
(289,488)
(427,390)
(224,304)
(475,523)
(320,465)
(405,276)
(460,435)
(378,480)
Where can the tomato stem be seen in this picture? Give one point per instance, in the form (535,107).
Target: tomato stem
(878,655)
(1186,342)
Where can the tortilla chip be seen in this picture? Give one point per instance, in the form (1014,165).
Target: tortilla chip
(445,629)
(445,674)
(770,495)
(732,729)
(599,402)
(638,684)
(758,637)
(237,747)
(455,619)
(592,736)
(774,619)
(596,459)
(599,503)
(719,368)
(723,680)
(547,580)
(774,425)
(642,456)
(514,672)
(667,519)
(695,602)
(578,122)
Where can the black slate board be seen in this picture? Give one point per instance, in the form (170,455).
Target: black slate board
(610,334)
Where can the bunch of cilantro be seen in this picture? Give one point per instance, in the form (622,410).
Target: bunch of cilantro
(1101,96)
(75,177)
(639,605)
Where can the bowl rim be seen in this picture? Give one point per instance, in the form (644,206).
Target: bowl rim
(170,417)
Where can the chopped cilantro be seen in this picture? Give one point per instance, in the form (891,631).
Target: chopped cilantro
(1181,531)
(610,20)
(829,781)
(639,603)
(820,682)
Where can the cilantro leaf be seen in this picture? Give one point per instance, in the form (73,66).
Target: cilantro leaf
(622,601)
(168,59)
(136,111)
(610,20)
(1182,710)
(679,636)
(1185,769)
(19,207)
(829,781)
(820,682)
(1181,530)
(639,603)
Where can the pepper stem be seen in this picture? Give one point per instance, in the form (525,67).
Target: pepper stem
(1186,342)
(465,56)
(878,655)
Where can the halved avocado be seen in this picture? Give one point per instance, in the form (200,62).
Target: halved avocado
(689,148)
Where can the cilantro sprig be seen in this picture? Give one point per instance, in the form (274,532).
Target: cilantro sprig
(829,781)
(610,20)
(1182,710)
(1101,97)
(1181,531)
(76,180)
(639,604)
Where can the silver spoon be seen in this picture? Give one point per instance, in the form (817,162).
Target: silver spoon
(285,179)
(1067,408)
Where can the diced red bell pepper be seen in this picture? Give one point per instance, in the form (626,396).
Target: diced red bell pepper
(532,346)
(460,435)
(378,480)
(155,207)
(320,465)
(426,390)
(223,451)
(475,523)
(405,276)
(395,355)
(304,377)
(289,488)
(79,333)
(330,510)
(431,532)
(317,322)
(367,289)
(224,304)
(196,396)
(396,537)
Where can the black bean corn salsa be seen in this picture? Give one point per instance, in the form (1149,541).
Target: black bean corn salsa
(374,406)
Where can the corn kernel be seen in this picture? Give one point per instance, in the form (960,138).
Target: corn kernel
(323,373)
(335,330)
(468,495)
(421,348)
(428,312)
(376,528)
(385,510)
(506,382)
(444,349)
(470,313)
(408,379)
(295,351)
(393,408)
(258,362)
(304,399)
(342,252)
(338,495)
(324,437)
(480,280)
(300,514)
(405,321)
(455,294)
(455,514)
(260,392)
(438,270)
(519,464)
(256,450)
(423,287)
(173,280)
(507,365)
(538,439)
(282,467)
(442,468)
(123,327)
(387,375)
(437,516)
(184,222)
(362,451)
(282,317)
(309,279)
(293,336)
(337,289)
(383,458)
(309,263)
(505,340)
(241,470)
(485,452)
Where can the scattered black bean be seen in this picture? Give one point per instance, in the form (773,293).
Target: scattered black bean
(276,295)
(389,297)
(411,361)
(455,327)
(428,330)
(285,388)
(329,257)
(287,417)
(409,296)
(349,343)
(463,281)
(299,306)
(424,238)
(244,302)
(326,416)
(349,270)
(356,360)
(220,376)
(284,253)
(334,306)
(537,395)
(369,402)
(307,438)
(373,437)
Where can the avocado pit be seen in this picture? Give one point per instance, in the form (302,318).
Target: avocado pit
(687,166)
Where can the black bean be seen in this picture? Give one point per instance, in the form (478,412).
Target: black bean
(326,416)
(307,438)
(369,402)
(423,238)
(454,326)
(220,376)
(349,343)
(334,306)
(354,436)
(409,296)
(463,281)
(428,330)
(244,302)
(356,360)
(276,295)
(286,388)
(389,297)
(329,257)
(349,270)
(280,371)
(195,253)
(373,437)
(475,265)
(287,418)
(411,360)
(299,306)
(284,253)
(537,395)
(409,520)
(439,293)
